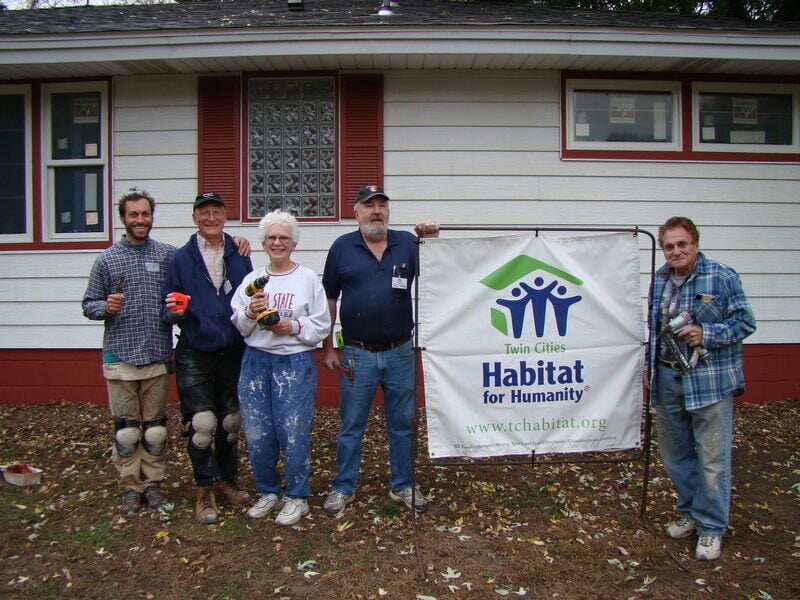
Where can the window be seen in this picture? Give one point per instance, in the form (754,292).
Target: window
(75,169)
(68,204)
(640,118)
(291,146)
(305,144)
(745,118)
(15,154)
(618,115)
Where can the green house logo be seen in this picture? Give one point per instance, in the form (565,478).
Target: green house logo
(534,286)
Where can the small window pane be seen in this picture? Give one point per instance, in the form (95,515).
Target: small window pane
(13,170)
(291,146)
(622,116)
(76,130)
(78,199)
(742,118)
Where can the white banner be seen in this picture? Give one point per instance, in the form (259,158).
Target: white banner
(531,343)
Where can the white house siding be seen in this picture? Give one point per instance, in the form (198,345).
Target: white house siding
(467,148)
(483,148)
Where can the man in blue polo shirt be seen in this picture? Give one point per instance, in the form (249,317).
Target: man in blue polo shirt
(372,269)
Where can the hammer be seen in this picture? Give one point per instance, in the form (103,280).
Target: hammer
(349,370)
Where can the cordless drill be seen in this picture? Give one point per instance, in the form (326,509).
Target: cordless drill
(267,317)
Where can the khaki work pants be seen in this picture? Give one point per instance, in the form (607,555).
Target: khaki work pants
(140,394)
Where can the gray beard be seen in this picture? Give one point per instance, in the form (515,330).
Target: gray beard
(374,230)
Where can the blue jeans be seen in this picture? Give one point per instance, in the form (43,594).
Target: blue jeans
(695,447)
(394,370)
(276,396)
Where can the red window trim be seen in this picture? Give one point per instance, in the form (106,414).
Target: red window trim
(686,153)
(37,200)
(359,151)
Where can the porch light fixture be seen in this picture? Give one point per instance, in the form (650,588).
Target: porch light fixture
(386,8)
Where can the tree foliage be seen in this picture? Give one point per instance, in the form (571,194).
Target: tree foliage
(756,10)
(769,10)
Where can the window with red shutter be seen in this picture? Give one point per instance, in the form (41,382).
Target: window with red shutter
(219,102)
(362,136)
(299,153)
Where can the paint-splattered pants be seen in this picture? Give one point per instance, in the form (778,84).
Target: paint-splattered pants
(276,396)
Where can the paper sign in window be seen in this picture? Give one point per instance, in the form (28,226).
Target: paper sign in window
(745,111)
(622,109)
(85,110)
(90,193)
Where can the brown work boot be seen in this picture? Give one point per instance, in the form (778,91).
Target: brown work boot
(233,495)
(155,498)
(131,502)
(205,509)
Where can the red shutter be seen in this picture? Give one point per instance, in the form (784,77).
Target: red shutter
(362,135)
(219,158)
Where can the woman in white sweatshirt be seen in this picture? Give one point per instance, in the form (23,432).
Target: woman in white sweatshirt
(278,380)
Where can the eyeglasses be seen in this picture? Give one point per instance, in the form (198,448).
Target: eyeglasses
(208,214)
(680,246)
(283,239)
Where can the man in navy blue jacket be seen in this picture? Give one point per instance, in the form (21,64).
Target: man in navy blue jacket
(208,269)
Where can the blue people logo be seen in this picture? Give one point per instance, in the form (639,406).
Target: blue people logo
(536,284)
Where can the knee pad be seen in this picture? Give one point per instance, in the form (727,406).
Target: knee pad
(126,436)
(155,436)
(232,423)
(204,424)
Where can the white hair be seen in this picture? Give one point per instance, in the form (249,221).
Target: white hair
(277,217)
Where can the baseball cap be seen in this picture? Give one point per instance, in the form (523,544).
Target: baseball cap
(208,197)
(369,191)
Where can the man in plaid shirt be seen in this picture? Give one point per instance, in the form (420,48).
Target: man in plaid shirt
(698,317)
(124,291)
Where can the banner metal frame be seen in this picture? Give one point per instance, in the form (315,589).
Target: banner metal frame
(642,454)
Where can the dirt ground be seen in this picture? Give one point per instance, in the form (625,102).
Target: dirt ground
(568,531)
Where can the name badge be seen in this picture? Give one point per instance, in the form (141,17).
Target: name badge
(227,287)
(152,267)
(399,283)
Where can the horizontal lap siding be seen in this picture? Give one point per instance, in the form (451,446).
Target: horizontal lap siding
(482,149)
(465,148)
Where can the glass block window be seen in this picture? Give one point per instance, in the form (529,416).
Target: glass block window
(291,153)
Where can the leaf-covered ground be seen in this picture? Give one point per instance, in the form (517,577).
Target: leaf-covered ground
(568,531)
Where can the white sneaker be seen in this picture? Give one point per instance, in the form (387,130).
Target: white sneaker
(336,502)
(263,506)
(682,528)
(420,502)
(293,510)
(709,547)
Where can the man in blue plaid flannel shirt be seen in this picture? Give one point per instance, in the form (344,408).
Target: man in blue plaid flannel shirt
(124,291)
(700,306)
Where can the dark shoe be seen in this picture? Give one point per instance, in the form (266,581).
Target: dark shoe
(131,502)
(205,508)
(155,498)
(232,495)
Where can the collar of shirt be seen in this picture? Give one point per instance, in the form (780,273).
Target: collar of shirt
(212,257)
